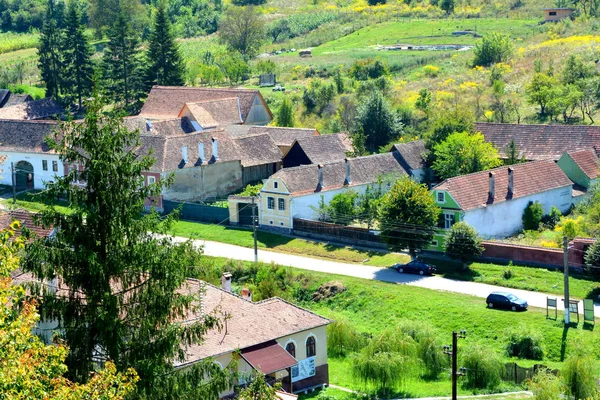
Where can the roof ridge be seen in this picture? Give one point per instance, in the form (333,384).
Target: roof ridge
(211,100)
(277,298)
(497,168)
(545,125)
(204,88)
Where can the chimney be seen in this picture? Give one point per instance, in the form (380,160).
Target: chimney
(511,181)
(347,181)
(215,149)
(201,152)
(320,175)
(184,155)
(246,294)
(226,282)
(492,189)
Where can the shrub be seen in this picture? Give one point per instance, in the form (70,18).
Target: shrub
(361,70)
(342,207)
(579,375)
(342,338)
(532,216)
(483,368)
(491,49)
(592,259)
(552,218)
(463,243)
(428,349)
(546,386)
(508,273)
(431,71)
(524,343)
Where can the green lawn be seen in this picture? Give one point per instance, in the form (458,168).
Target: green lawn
(286,244)
(31,201)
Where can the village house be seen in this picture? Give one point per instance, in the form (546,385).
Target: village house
(318,150)
(557,13)
(493,201)
(273,337)
(540,142)
(167,102)
(295,192)
(581,166)
(412,156)
(23,144)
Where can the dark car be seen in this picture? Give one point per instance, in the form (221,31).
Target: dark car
(415,267)
(505,300)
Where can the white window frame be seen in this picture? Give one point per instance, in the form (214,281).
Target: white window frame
(437,197)
(151,180)
(449,220)
(271,203)
(281,204)
(44,165)
(54,166)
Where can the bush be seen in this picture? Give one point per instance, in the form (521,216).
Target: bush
(431,71)
(343,338)
(342,207)
(579,375)
(363,70)
(491,49)
(508,274)
(428,349)
(523,343)
(532,216)
(463,243)
(552,218)
(483,368)
(546,386)
(592,259)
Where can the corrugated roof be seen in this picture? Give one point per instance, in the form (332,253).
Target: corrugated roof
(167,101)
(472,190)
(540,142)
(363,170)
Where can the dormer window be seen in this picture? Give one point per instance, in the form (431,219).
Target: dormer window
(441,197)
(275,185)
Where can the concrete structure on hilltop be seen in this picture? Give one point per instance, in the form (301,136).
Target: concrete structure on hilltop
(293,192)
(493,201)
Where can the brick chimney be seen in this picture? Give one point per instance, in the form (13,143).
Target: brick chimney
(511,181)
(492,185)
(246,294)
(226,282)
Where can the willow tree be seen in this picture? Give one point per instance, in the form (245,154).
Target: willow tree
(122,300)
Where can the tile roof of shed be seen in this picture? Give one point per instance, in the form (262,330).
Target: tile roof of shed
(31,110)
(325,148)
(283,136)
(413,153)
(213,113)
(249,323)
(472,190)
(540,142)
(587,160)
(363,170)
(167,101)
(25,136)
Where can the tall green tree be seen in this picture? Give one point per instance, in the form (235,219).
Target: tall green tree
(377,123)
(492,48)
(164,60)
(541,90)
(408,216)
(285,113)
(49,50)
(243,30)
(77,67)
(123,301)
(512,153)
(122,66)
(463,243)
(464,153)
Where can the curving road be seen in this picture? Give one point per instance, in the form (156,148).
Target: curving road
(216,249)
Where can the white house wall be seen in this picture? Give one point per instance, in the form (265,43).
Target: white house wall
(505,218)
(301,206)
(39,175)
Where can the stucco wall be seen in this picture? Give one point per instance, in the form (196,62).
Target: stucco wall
(302,204)
(275,217)
(39,176)
(205,181)
(504,219)
(572,170)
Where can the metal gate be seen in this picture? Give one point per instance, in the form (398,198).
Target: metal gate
(245,213)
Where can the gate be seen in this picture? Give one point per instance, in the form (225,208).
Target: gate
(245,213)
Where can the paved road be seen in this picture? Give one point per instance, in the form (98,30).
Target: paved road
(217,249)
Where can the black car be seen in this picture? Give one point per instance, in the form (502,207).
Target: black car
(505,300)
(415,267)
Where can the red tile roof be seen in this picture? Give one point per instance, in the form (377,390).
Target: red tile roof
(587,161)
(26,219)
(541,142)
(472,190)
(268,357)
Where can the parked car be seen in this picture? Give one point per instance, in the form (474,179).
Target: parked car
(505,300)
(415,267)
(278,88)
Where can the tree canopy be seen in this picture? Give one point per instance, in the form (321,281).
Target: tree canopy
(464,153)
(243,30)
(408,216)
(376,123)
(123,283)
(463,243)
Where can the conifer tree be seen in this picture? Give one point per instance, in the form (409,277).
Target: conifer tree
(49,49)
(121,65)
(77,69)
(164,60)
(122,301)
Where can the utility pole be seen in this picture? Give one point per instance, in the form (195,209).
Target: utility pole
(14,181)
(254,229)
(566,274)
(453,353)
